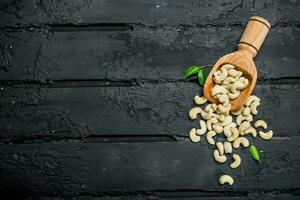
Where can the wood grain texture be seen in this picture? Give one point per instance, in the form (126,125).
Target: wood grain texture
(147,109)
(76,168)
(158,54)
(167,12)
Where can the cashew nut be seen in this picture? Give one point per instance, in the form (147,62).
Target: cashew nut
(227,121)
(227,66)
(209,137)
(220,147)
(234,134)
(226,179)
(252,131)
(232,72)
(221,118)
(242,118)
(219,158)
(199,100)
(210,107)
(206,115)
(251,99)
(220,77)
(236,86)
(241,140)
(253,107)
(222,109)
(217,128)
(239,111)
(227,147)
(223,98)
(266,135)
(236,162)
(217,89)
(244,125)
(202,130)
(194,112)
(227,131)
(193,136)
(228,80)
(233,95)
(260,123)
(210,122)
(246,111)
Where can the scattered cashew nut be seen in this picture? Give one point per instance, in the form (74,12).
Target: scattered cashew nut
(211,121)
(193,136)
(220,147)
(241,140)
(266,135)
(194,112)
(252,131)
(260,123)
(227,147)
(209,137)
(226,179)
(219,158)
(199,100)
(236,162)
(202,130)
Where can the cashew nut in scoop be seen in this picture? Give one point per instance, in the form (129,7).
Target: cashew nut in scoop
(244,125)
(217,128)
(220,147)
(242,118)
(218,157)
(236,86)
(233,95)
(246,111)
(266,135)
(209,137)
(199,100)
(227,147)
(239,111)
(220,77)
(227,121)
(232,73)
(194,112)
(193,136)
(241,140)
(203,128)
(228,80)
(211,121)
(253,107)
(252,131)
(227,67)
(226,179)
(218,90)
(235,134)
(251,99)
(236,162)
(260,123)
(227,130)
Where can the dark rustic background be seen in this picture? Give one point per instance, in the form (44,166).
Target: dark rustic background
(92,105)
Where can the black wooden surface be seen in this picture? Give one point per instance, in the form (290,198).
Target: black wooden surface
(92,104)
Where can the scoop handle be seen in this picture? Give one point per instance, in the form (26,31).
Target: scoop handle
(254,35)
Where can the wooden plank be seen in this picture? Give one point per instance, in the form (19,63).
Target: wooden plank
(150,13)
(140,54)
(76,168)
(147,109)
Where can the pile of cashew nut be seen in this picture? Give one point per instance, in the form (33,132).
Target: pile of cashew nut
(219,120)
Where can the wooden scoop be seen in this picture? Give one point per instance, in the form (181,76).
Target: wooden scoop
(250,43)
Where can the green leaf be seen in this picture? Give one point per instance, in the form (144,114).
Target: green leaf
(254,153)
(201,77)
(191,71)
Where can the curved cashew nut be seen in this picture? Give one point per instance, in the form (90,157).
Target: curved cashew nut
(226,179)
(246,111)
(241,140)
(232,72)
(194,112)
(211,121)
(227,131)
(236,162)
(227,66)
(193,136)
(223,109)
(233,95)
(202,130)
(236,86)
(223,98)
(239,111)
(228,120)
(206,115)
(253,107)
(220,77)
(217,89)
(218,157)
(251,99)
(246,83)
(217,128)
(266,135)
(210,107)
(221,118)
(244,125)
(235,134)
(209,137)
(252,131)
(228,80)
(220,147)
(242,118)
(199,100)
(226,86)
(227,147)
(260,123)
